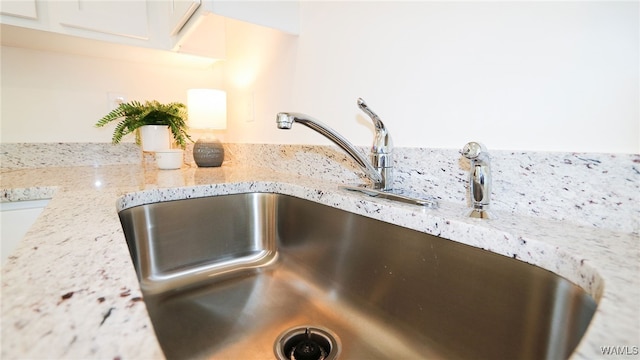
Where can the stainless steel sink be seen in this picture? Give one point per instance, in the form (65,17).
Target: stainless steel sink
(226,277)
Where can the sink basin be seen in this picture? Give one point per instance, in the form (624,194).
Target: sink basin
(230,277)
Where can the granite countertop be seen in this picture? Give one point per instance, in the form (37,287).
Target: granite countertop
(70,290)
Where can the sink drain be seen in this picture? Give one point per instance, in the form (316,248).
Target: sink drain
(307,343)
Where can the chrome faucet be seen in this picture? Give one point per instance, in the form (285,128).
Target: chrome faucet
(479,179)
(379,168)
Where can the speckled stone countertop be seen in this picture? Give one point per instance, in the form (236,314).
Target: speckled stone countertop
(70,290)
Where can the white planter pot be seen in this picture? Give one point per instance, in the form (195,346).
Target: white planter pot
(155,137)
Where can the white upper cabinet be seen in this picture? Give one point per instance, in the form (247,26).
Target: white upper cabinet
(194,27)
(121,18)
(203,35)
(21,9)
(179,13)
(124,22)
(279,15)
(199,25)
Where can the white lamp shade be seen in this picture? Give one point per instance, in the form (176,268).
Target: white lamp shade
(207,109)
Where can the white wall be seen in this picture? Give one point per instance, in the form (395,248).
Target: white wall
(260,64)
(58,97)
(544,76)
(552,76)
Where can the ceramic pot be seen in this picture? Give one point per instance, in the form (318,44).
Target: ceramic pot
(155,137)
(169,159)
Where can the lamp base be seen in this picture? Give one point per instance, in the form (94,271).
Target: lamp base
(208,153)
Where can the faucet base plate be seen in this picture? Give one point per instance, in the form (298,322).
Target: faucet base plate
(395,195)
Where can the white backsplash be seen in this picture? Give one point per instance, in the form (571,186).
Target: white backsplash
(600,190)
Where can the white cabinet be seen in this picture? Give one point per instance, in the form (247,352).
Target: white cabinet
(180,12)
(279,15)
(131,22)
(121,18)
(24,13)
(21,9)
(188,26)
(203,35)
(195,31)
(201,30)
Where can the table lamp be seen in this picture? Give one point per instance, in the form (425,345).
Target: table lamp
(208,111)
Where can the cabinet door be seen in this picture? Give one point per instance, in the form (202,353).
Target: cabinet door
(280,15)
(180,12)
(23,9)
(123,18)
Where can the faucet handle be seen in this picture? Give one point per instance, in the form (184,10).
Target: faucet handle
(382,147)
(375,118)
(382,143)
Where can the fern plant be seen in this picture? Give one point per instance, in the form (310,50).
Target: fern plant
(135,114)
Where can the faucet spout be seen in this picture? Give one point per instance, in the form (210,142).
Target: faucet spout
(285,120)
